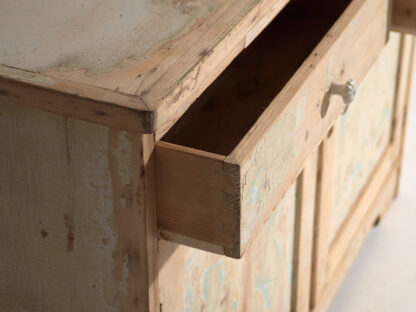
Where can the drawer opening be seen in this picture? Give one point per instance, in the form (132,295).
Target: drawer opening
(225,112)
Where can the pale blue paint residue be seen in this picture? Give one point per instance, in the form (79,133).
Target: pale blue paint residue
(355,170)
(278,248)
(273,218)
(234,305)
(263,287)
(205,285)
(263,283)
(188,262)
(188,295)
(289,251)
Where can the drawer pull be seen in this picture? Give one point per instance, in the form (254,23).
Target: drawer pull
(347,91)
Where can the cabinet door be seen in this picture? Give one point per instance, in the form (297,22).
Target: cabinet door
(358,168)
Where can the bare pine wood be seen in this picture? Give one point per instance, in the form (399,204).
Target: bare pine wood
(404,16)
(194,197)
(265,163)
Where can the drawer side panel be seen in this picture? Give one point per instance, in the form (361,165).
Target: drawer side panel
(196,198)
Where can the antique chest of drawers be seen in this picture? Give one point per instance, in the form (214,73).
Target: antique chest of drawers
(195,155)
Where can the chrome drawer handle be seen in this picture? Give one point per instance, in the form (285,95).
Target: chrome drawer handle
(347,91)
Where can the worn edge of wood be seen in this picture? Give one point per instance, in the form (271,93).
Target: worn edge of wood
(148,150)
(73,100)
(191,86)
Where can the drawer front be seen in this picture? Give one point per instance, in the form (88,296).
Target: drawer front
(404,16)
(222,209)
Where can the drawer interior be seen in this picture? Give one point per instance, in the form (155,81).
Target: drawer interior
(226,111)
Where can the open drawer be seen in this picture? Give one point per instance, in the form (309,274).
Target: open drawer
(222,168)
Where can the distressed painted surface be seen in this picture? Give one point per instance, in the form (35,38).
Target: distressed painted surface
(363,133)
(65,185)
(266,171)
(90,35)
(260,281)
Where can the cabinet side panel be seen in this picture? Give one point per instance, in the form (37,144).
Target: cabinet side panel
(70,205)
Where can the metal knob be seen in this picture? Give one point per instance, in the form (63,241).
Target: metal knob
(347,91)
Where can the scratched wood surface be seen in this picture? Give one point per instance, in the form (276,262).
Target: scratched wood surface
(195,280)
(71,215)
(157,55)
(363,134)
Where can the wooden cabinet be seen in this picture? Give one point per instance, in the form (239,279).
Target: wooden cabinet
(145,145)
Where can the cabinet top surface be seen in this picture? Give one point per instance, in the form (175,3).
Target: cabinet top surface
(148,50)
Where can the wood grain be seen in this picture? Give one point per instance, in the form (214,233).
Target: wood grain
(268,158)
(104,112)
(165,66)
(195,197)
